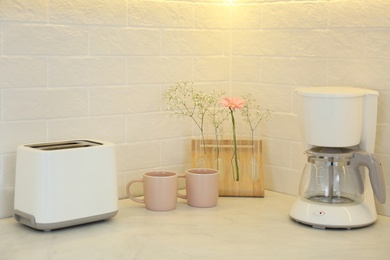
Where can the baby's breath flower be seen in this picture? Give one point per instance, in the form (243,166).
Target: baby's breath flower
(184,100)
(253,114)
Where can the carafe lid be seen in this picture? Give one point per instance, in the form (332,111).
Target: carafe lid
(330,152)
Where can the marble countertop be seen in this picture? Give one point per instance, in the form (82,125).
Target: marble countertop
(238,228)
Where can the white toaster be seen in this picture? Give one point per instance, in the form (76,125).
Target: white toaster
(65,183)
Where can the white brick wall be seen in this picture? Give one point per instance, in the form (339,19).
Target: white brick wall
(44,40)
(97,69)
(16,72)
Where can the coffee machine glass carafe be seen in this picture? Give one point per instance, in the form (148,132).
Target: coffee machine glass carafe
(329,178)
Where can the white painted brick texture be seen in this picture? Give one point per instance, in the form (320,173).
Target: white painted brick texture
(86,71)
(16,72)
(44,40)
(102,12)
(29,104)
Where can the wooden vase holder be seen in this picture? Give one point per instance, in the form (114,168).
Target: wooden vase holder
(251,181)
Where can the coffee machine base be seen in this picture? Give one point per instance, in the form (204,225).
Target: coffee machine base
(322,216)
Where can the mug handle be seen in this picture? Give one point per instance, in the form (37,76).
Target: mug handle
(130,195)
(182,196)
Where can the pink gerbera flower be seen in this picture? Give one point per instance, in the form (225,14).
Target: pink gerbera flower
(233,103)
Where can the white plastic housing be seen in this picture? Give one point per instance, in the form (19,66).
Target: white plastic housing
(65,187)
(337,116)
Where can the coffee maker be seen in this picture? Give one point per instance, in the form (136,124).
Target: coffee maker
(342,174)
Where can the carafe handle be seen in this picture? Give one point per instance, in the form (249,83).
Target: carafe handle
(375,172)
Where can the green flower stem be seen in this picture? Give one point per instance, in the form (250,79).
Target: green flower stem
(235,146)
(217,142)
(253,143)
(203,142)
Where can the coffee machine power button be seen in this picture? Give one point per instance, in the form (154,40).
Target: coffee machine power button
(319,213)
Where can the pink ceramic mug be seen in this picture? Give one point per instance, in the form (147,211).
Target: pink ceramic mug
(201,187)
(160,190)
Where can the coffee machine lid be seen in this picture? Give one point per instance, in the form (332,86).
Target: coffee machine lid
(333,92)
